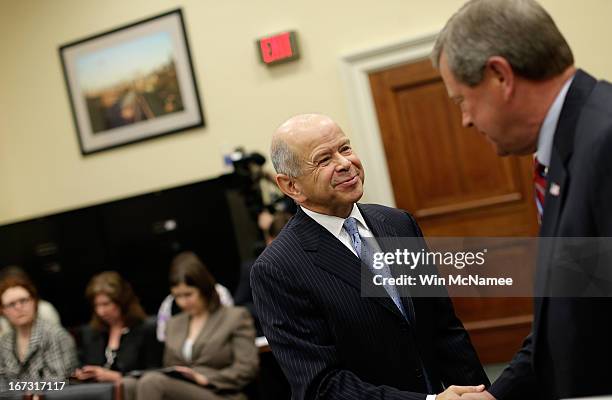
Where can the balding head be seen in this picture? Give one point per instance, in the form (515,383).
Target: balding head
(296,131)
(316,164)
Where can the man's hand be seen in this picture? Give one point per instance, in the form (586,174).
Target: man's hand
(478,396)
(455,392)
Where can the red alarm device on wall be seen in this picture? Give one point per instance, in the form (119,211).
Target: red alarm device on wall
(278,48)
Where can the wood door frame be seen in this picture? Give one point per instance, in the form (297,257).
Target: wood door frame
(365,131)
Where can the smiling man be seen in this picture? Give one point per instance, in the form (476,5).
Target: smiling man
(331,342)
(511,71)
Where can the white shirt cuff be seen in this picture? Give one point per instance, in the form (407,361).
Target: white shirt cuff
(431,397)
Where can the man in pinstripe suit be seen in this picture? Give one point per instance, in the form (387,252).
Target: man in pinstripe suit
(331,342)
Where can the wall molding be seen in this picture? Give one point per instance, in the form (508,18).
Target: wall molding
(365,131)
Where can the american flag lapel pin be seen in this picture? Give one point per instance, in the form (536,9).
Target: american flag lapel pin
(555,189)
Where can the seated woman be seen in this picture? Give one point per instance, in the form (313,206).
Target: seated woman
(35,350)
(210,345)
(45,309)
(168,308)
(118,339)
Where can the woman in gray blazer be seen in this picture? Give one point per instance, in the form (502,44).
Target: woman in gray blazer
(210,347)
(35,351)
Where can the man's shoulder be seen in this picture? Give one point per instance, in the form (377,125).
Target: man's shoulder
(383,210)
(603,88)
(288,249)
(287,243)
(398,220)
(390,214)
(292,233)
(594,137)
(598,102)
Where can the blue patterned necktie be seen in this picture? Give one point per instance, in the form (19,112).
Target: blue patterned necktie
(365,253)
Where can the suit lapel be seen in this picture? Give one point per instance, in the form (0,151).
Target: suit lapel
(555,194)
(558,179)
(176,337)
(563,147)
(377,222)
(207,331)
(381,228)
(327,251)
(329,254)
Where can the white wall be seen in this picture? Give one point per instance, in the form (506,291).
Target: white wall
(41,168)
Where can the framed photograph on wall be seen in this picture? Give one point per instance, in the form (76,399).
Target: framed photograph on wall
(132,83)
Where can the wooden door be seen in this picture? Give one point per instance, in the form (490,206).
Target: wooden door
(451,180)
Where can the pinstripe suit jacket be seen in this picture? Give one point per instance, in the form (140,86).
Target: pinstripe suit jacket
(334,344)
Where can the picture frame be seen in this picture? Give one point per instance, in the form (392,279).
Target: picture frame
(132,83)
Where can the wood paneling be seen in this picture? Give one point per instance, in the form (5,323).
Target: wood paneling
(496,336)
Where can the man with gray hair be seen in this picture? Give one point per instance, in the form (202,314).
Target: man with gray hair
(332,342)
(510,70)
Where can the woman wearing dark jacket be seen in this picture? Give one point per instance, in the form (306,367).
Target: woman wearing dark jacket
(119,339)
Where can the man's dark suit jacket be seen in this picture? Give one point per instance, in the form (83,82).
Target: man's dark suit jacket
(569,351)
(334,344)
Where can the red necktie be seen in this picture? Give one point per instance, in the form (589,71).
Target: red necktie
(539,182)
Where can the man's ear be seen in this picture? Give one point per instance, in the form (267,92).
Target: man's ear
(290,187)
(500,70)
